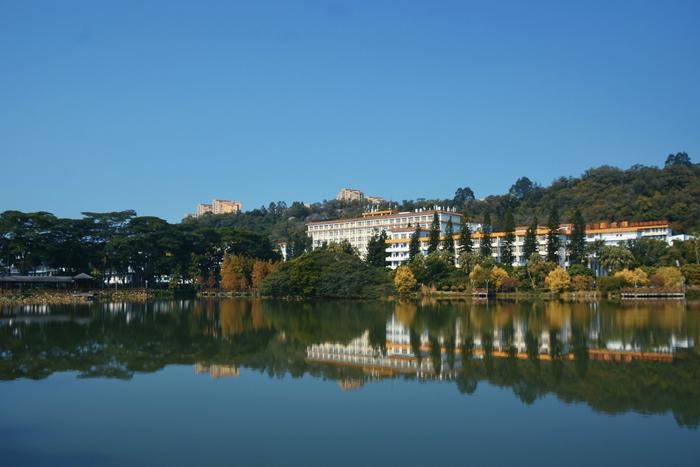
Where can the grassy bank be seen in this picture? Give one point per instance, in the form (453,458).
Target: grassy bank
(69,297)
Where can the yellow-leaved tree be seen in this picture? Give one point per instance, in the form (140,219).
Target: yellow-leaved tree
(498,275)
(558,280)
(670,277)
(404,280)
(261,269)
(633,277)
(227,277)
(480,276)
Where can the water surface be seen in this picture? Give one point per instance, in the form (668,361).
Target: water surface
(245,382)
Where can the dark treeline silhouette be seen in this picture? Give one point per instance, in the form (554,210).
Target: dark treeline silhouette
(119,243)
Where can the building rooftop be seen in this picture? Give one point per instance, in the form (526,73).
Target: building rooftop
(388,214)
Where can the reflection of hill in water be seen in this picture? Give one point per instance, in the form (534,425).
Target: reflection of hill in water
(614,357)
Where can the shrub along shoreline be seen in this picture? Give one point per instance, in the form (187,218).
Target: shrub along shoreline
(337,272)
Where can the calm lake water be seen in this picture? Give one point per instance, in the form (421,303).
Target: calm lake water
(243,382)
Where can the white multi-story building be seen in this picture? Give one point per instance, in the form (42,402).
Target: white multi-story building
(358,231)
(399,240)
(401,226)
(614,233)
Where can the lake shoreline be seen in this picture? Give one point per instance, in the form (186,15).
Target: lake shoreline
(66,297)
(56,297)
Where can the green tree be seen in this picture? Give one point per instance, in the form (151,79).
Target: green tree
(467,260)
(434,237)
(553,240)
(530,242)
(414,245)
(616,258)
(577,245)
(507,256)
(448,244)
(376,250)
(648,251)
(537,269)
(485,246)
(466,243)
(175,279)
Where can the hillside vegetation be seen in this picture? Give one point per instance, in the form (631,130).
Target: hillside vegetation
(606,193)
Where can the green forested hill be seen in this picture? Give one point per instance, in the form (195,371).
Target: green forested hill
(610,194)
(606,193)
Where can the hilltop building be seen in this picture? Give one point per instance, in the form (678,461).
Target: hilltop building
(351,194)
(374,199)
(219,206)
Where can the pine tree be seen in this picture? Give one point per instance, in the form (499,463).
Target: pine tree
(434,238)
(414,245)
(448,244)
(553,241)
(577,246)
(485,247)
(376,250)
(466,244)
(507,257)
(530,243)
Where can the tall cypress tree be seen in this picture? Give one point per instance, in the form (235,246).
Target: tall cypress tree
(376,250)
(434,238)
(553,242)
(507,257)
(485,246)
(530,243)
(414,245)
(577,246)
(448,244)
(465,236)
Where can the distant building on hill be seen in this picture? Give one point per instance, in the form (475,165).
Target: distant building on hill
(203,209)
(374,199)
(219,206)
(351,194)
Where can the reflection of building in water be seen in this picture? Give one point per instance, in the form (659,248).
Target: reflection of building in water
(348,384)
(401,356)
(360,353)
(217,371)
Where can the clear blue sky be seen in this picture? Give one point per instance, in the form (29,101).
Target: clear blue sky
(156,106)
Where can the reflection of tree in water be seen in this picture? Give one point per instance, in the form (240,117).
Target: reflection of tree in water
(415,341)
(435,354)
(405,312)
(272,337)
(450,350)
(532,346)
(487,345)
(580,351)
